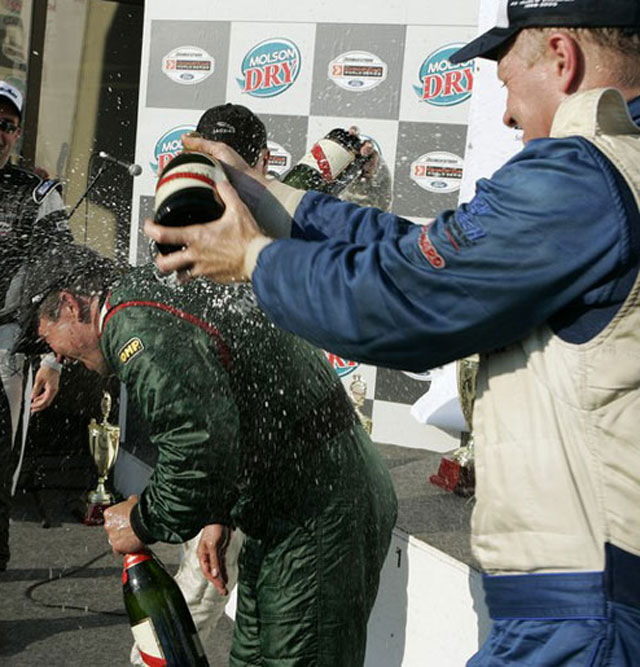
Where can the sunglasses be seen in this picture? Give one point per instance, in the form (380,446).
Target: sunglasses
(7,126)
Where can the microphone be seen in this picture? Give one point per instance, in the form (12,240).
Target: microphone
(132,168)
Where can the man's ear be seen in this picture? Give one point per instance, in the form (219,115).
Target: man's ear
(70,301)
(263,160)
(568,61)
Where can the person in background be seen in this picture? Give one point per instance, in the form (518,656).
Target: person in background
(254,429)
(32,220)
(539,273)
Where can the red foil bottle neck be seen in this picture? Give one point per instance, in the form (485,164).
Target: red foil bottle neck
(133,559)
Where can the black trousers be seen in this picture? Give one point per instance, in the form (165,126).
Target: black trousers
(9,454)
(6,472)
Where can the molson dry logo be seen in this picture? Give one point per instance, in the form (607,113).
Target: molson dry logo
(168,146)
(341,366)
(441,83)
(270,68)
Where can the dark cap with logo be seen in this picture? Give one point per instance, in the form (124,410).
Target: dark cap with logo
(63,267)
(237,127)
(514,15)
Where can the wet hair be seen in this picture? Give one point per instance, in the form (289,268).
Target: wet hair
(89,281)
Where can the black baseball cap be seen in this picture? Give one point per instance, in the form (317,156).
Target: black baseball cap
(237,127)
(56,269)
(514,15)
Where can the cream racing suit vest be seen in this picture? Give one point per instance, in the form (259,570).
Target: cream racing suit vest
(556,424)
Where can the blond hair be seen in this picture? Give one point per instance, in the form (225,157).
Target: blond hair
(619,49)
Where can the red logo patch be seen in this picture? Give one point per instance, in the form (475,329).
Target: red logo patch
(429,251)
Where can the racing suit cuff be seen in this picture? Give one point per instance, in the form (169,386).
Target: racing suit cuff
(254,248)
(49,360)
(276,208)
(136,525)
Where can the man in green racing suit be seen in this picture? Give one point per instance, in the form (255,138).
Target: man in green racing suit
(253,429)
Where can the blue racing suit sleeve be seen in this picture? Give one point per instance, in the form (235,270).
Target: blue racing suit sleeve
(547,229)
(317,219)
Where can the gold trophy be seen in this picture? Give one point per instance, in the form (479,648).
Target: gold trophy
(457,473)
(104,439)
(358,391)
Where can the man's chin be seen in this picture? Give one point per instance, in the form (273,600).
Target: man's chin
(100,368)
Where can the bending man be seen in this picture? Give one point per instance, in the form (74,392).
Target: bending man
(253,429)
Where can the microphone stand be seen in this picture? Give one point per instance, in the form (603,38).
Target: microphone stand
(101,169)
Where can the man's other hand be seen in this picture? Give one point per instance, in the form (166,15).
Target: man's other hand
(212,550)
(45,388)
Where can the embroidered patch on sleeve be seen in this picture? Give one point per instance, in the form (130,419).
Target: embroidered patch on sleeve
(428,249)
(130,349)
(43,189)
(463,229)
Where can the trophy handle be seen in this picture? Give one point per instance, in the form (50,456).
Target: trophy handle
(467,379)
(358,393)
(105,406)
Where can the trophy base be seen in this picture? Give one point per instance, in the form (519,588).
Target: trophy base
(466,485)
(453,477)
(95,514)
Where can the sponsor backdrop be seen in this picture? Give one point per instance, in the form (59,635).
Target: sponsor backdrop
(305,71)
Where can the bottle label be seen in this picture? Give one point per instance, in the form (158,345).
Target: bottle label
(193,175)
(145,637)
(328,158)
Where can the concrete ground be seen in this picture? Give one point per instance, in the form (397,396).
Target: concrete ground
(61,596)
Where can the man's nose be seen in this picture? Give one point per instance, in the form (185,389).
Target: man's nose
(509,120)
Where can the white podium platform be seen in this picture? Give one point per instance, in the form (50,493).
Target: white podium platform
(429,611)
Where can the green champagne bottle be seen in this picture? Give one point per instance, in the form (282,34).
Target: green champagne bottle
(331,164)
(187,194)
(160,619)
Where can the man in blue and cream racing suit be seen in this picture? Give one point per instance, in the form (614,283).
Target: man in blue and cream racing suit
(539,274)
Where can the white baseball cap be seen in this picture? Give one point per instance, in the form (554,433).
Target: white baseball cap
(12,94)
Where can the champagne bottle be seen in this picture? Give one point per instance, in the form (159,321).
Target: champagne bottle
(186,193)
(160,619)
(331,164)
